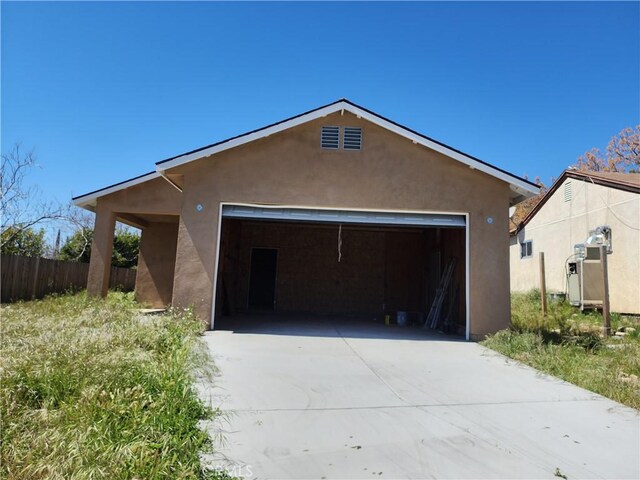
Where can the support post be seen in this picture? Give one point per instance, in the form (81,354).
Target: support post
(606,311)
(101,250)
(543,285)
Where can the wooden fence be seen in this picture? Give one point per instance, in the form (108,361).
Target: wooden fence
(24,278)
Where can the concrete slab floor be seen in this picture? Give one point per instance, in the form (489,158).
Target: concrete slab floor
(335,398)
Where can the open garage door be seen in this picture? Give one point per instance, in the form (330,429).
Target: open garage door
(333,263)
(343,216)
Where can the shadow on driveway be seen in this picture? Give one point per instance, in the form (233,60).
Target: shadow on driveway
(331,326)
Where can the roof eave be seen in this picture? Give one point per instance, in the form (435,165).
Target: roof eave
(88,201)
(581,176)
(515,197)
(521,187)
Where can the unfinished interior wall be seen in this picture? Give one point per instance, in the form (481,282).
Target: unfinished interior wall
(404,270)
(380,269)
(310,277)
(156,264)
(442,245)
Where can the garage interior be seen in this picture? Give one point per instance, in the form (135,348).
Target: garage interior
(298,269)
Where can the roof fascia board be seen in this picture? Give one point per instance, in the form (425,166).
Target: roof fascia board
(575,175)
(265,132)
(89,199)
(520,187)
(517,185)
(604,181)
(552,189)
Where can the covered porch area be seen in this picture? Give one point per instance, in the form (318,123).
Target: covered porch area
(154,208)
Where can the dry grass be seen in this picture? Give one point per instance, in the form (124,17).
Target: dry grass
(568,345)
(91,391)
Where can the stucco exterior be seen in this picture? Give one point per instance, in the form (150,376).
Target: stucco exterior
(560,224)
(156,264)
(289,168)
(143,205)
(389,173)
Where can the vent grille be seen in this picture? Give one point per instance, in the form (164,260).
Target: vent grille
(567,192)
(352,138)
(330,138)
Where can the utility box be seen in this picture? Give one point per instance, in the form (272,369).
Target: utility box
(591,278)
(573,285)
(584,277)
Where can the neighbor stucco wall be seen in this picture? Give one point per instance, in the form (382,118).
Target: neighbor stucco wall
(560,224)
(156,264)
(389,173)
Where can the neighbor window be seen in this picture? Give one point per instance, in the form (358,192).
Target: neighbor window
(526,249)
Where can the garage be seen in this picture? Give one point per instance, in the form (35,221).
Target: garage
(336,212)
(328,263)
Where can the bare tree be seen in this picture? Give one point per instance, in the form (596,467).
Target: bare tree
(621,155)
(22,206)
(82,224)
(524,208)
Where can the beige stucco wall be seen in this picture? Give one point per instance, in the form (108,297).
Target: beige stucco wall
(559,225)
(389,173)
(156,264)
(155,197)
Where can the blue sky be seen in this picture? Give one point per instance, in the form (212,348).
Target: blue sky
(103,90)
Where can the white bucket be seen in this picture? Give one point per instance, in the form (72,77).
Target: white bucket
(401,318)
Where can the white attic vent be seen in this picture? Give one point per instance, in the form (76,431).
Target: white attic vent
(567,192)
(352,138)
(330,137)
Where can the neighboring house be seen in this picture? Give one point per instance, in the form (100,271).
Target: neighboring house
(576,204)
(337,210)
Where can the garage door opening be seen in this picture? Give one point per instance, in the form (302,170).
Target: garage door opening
(294,266)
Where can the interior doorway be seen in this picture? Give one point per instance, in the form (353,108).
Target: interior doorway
(262,278)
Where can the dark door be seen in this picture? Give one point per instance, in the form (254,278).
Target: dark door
(262,282)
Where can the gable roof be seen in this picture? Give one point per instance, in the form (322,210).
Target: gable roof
(619,180)
(629,182)
(521,188)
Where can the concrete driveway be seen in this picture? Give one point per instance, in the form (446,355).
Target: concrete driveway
(340,399)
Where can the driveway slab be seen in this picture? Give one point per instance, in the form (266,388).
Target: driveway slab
(333,398)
